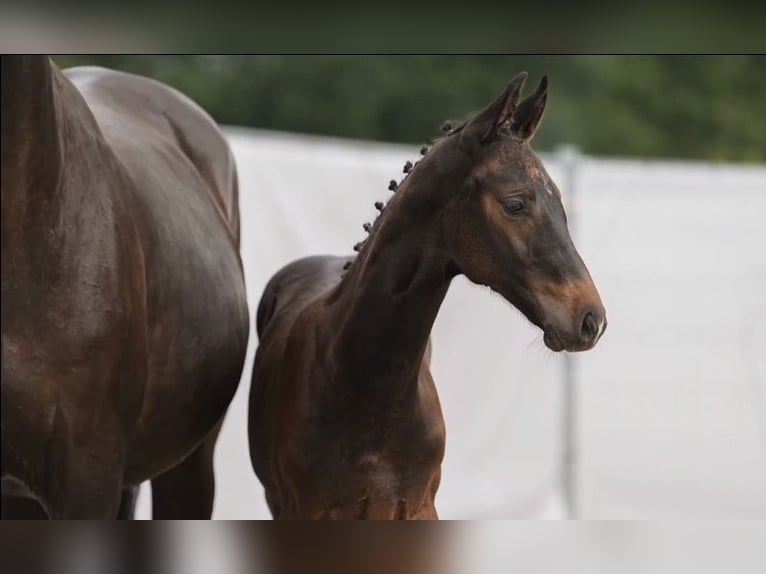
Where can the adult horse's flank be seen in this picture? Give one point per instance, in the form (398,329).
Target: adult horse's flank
(124,321)
(345,421)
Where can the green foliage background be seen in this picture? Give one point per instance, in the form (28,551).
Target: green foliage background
(698,107)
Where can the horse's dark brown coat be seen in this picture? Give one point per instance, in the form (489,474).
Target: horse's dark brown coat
(345,421)
(124,321)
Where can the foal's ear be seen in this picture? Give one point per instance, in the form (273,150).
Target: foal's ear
(488,122)
(528,114)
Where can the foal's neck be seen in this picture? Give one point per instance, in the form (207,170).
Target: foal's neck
(386,305)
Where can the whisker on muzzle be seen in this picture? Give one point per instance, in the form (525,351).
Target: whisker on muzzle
(538,344)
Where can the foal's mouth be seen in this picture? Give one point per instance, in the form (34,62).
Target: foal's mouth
(551,339)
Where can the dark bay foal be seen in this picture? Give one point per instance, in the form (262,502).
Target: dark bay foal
(345,420)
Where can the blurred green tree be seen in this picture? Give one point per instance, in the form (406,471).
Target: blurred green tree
(696,107)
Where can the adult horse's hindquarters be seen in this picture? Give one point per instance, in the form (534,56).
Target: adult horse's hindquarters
(124,323)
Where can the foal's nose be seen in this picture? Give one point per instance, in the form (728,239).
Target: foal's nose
(592,326)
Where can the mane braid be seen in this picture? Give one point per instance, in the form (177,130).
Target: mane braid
(448,130)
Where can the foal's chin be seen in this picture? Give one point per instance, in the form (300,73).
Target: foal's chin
(552,341)
(558,341)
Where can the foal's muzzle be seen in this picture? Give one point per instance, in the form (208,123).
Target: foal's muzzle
(586,331)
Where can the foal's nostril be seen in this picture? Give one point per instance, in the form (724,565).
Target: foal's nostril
(589,328)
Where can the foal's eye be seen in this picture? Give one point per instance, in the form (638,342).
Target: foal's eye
(514,206)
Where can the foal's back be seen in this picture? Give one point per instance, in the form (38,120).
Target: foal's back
(297,285)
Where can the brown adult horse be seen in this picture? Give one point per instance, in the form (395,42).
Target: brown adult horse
(124,321)
(345,421)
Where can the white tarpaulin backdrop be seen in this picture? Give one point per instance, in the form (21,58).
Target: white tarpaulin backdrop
(671,405)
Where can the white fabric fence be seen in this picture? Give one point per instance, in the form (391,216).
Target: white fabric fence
(671,405)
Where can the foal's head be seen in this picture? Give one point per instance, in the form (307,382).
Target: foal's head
(504,225)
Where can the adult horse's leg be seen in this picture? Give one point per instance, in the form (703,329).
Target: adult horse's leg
(20,508)
(86,491)
(72,464)
(83,474)
(127,509)
(187,490)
